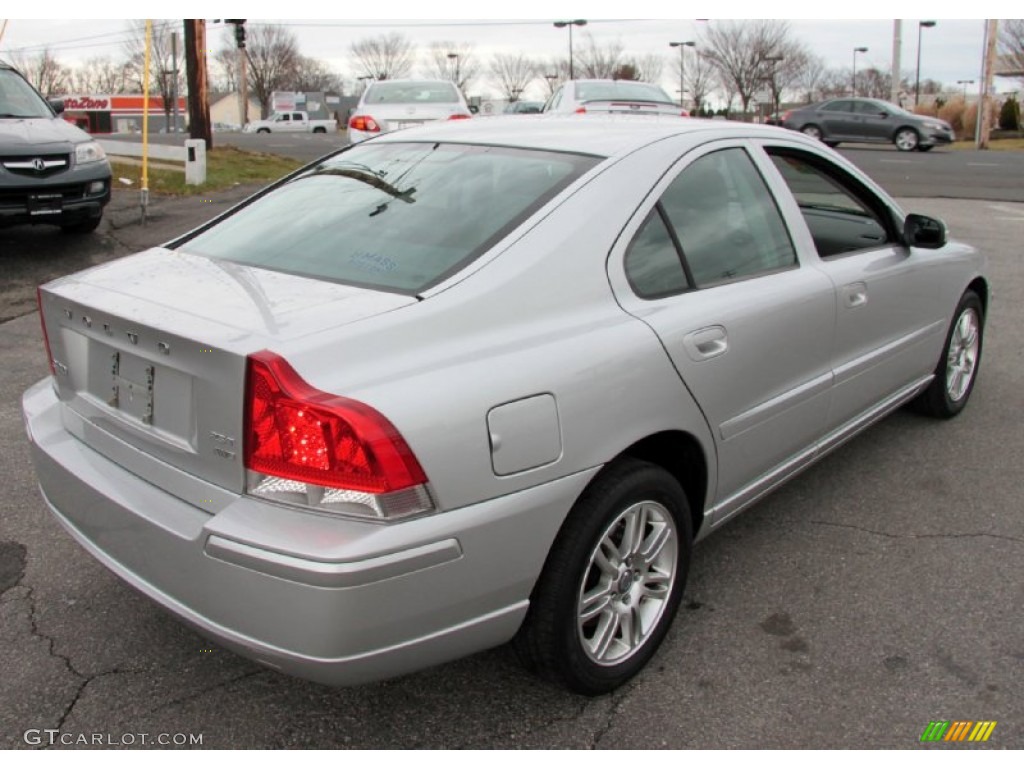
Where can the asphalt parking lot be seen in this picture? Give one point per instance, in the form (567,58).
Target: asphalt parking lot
(877,592)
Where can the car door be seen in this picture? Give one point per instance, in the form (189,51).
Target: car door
(887,316)
(710,267)
(875,121)
(838,119)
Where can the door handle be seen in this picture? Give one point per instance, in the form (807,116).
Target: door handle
(855,295)
(706,343)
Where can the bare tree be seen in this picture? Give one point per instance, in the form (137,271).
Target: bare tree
(513,73)
(315,75)
(598,62)
(99,75)
(272,57)
(1011,44)
(48,75)
(554,71)
(447,60)
(648,67)
(785,68)
(834,82)
(701,79)
(225,61)
(384,57)
(161,76)
(809,77)
(740,51)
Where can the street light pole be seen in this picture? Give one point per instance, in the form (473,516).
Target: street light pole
(682,68)
(965,83)
(859,49)
(917,78)
(457,73)
(570,24)
(774,60)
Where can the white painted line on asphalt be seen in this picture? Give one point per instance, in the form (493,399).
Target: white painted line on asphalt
(901,162)
(987,165)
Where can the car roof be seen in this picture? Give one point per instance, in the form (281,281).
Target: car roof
(601,135)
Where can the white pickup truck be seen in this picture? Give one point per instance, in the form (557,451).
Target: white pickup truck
(293,122)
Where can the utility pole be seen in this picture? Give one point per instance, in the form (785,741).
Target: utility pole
(988,70)
(897,50)
(174,81)
(195,71)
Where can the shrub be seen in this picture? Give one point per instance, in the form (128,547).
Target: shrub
(1009,115)
(954,113)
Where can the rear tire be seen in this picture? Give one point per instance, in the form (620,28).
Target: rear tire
(957,370)
(811,130)
(262,130)
(319,130)
(612,581)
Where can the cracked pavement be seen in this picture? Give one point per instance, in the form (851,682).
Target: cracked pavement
(880,590)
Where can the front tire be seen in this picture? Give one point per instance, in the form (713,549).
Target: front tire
(262,130)
(906,140)
(957,370)
(612,581)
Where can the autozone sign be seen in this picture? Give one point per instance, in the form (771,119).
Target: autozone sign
(87,102)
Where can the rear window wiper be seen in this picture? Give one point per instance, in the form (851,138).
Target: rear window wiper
(371,178)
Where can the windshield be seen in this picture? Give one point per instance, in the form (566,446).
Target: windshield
(392,216)
(621,90)
(19,99)
(426,92)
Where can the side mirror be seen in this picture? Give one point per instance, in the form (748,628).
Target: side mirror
(57,105)
(923,232)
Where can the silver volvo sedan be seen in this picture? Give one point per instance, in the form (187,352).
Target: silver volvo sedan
(487,381)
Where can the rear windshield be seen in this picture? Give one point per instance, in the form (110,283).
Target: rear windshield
(621,90)
(392,216)
(426,92)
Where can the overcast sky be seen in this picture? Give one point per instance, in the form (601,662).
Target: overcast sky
(951,51)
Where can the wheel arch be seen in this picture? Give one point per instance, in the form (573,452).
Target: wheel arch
(681,455)
(980,287)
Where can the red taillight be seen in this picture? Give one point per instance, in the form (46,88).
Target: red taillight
(684,113)
(459,116)
(581,110)
(46,338)
(364,123)
(296,432)
(785,115)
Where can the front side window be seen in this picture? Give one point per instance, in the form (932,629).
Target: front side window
(841,216)
(726,220)
(392,216)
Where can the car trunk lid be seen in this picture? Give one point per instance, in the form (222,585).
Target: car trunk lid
(151,352)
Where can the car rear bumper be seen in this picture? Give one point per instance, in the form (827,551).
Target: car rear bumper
(336,601)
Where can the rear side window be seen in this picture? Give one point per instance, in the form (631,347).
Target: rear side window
(392,216)
(426,92)
(726,220)
(653,265)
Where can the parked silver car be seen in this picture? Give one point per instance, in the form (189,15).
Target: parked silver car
(485,381)
(391,105)
(869,121)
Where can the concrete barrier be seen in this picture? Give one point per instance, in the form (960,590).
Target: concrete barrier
(195,172)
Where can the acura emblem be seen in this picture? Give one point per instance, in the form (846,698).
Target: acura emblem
(39,165)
